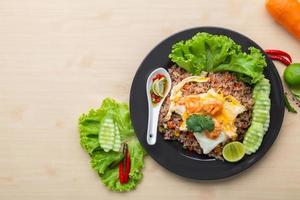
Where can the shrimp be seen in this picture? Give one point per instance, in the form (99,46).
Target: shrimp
(216,132)
(212,108)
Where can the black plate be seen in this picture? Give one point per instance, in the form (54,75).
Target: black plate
(170,154)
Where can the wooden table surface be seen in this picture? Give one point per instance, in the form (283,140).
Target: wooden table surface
(59,58)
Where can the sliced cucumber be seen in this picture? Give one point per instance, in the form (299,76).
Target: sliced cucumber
(253,137)
(262,88)
(266,124)
(117,141)
(260,117)
(107,134)
(252,146)
(263,101)
(263,94)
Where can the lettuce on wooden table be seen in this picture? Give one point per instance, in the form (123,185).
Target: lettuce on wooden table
(107,163)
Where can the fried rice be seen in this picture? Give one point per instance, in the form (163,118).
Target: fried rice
(228,84)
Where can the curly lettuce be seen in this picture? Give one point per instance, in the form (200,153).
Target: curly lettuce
(89,124)
(106,164)
(216,53)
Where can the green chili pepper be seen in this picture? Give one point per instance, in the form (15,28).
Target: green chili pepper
(288,105)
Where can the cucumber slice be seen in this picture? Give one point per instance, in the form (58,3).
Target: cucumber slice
(117,141)
(252,146)
(262,83)
(262,108)
(253,137)
(107,134)
(263,102)
(252,141)
(260,117)
(266,124)
(262,92)
(263,87)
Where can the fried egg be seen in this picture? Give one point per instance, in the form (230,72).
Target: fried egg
(208,144)
(222,108)
(176,94)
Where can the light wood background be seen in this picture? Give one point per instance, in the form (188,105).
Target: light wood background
(59,58)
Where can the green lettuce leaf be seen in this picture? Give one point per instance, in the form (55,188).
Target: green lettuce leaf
(89,123)
(246,65)
(102,160)
(89,129)
(111,180)
(136,156)
(107,163)
(214,53)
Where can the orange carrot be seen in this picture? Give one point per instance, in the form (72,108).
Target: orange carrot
(286,13)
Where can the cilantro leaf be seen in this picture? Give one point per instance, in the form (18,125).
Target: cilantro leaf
(200,123)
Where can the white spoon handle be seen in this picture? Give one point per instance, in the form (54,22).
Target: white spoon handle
(152,126)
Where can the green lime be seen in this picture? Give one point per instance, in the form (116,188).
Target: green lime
(295,91)
(233,151)
(158,87)
(292,75)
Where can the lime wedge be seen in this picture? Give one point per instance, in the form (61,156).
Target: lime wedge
(158,87)
(295,91)
(233,151)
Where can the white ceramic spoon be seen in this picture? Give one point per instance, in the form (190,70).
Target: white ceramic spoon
(153,109)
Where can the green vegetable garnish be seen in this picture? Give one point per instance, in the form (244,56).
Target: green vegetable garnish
(288,105)
(260,117)
(200,123)
(158,86)
(107,133)
(292,75)
(111,113)
(215,53)
(295,91)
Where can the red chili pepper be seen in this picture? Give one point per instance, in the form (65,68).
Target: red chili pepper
(279,53)
(161,76)
(124,166)
(155,98)
(121,174)
(280,58)
(155,77)
(127,171)
(158,76)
